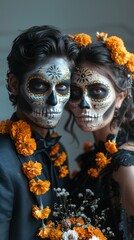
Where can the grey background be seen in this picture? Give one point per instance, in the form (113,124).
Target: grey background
(72,16)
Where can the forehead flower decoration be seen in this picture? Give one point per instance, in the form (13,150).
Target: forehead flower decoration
(119,53)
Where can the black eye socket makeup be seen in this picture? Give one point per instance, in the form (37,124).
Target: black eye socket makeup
(63,87)
(97,91)
(38,86)
(75,93)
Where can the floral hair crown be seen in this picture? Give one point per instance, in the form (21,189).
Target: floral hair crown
(119,53)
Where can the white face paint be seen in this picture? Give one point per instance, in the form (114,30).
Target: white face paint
(92,99)
(44,91)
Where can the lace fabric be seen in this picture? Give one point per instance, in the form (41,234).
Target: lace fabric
(107,189)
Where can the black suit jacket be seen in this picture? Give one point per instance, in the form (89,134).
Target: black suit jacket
(16,200)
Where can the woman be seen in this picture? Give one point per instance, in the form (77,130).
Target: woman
(102,102)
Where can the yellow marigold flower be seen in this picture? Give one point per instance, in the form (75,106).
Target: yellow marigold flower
(101,160)
(130,63)
(60,159)
(39,187)
(82,39)
(82,232)
(32,169)
(94,231)
(120,55)
(55,233)
(26,146)
(41,213)
(44,232)
(55,149)
(93,172)
(63,171)
(111,147)
(101,36)
(5,126)
(20,128)
(114,42)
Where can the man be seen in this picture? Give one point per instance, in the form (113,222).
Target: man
(40,64)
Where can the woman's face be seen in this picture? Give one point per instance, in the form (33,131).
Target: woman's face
(92,99)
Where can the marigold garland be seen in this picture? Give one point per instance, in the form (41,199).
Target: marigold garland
(20,132)
(101,159)
(41,213)
(119,54)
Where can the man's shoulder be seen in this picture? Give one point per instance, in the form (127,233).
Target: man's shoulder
(4,138)
(5,143)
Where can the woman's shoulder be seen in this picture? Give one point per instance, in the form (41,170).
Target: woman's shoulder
(124,156)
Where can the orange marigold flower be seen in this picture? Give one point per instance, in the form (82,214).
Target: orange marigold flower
(39,187)
(63,171)
(81,221)
(41,213)
(111,147)
(82,232)
(60,159)
(114,41)
(73,220)
(32,169)
(93,172)
(44,232)
(82,39)
(101,36)
(101,160)
(5,126)
(26,146)
(55,149)
(55,233)
(20,128)
(94,231)
(120,55)
(130,63)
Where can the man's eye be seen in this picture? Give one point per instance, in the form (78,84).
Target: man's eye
(38,86)
(62,88)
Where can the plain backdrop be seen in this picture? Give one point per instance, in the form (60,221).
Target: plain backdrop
(72,16)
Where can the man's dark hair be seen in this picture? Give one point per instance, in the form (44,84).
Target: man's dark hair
(34,46)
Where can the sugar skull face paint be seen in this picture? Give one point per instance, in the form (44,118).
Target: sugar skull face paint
(44,92)
(92,99)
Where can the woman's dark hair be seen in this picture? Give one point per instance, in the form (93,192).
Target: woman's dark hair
(99,56)
(35,45)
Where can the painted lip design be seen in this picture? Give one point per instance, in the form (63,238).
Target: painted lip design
(87,117)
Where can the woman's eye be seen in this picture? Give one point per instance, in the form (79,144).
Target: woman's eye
(76,93)
(97,91)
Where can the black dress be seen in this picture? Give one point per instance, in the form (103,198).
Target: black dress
(105,188)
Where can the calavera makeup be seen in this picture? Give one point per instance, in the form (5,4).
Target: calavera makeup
(44,92)
(92,99)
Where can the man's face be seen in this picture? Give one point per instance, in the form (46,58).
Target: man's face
(44,92)
(92,99)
